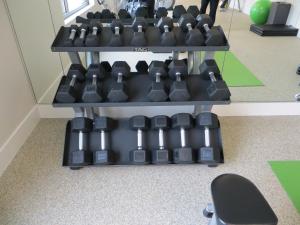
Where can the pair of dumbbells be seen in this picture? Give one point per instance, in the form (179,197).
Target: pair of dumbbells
(83,156)
(179,10)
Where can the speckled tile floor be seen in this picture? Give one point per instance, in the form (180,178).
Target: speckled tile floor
(36,190)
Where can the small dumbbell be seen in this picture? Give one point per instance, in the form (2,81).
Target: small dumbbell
(98,15)
(142,67)
(107,14)
(84,29)
(161,155)
(182,154)
(139,26)
(178,11)
(106,65)
(209,154)
(218,89)
(92,92)
(213,37)
(142,12)
(73,33)
(81,156)
(90,15)
(193,10)
(104,155)
(120,70)
(92,39)
(123,14)
(139,155)
(157,93)
(194,37)
(117,29)
(165,25)
(68,92)
(161,12)
(179,90)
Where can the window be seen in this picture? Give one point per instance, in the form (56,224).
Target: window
(70,7)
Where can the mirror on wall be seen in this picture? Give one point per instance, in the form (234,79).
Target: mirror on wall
(257,68)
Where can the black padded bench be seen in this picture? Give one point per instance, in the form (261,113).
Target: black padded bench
(237,201)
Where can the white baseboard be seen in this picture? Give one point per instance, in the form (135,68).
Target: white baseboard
(234,109)
(15,141)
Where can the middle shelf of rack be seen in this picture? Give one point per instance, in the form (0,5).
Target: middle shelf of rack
(138,86)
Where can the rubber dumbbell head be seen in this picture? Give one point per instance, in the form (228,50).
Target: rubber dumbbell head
(184,153)
(123,14)
(165,25)
(139,26)
(193,10)
(139,155)
(92,38)
(161,12)
(84,29)
(98,15)
(193,37)
(90,15)
(178,11)
(72,35)
(107,14)
(117,29)
(106,65)
(142,12)
(142,67)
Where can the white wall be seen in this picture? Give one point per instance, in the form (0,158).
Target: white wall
(16,96)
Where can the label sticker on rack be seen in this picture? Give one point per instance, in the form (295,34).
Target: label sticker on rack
(141,49)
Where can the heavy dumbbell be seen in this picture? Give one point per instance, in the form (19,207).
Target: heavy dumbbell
(194,37)
(107,14)
(84,29)
(157,93)
(161,12)
(178,11)
(182,154)
(139,26)
(92,39)
(81,156)
(165,25)
(142,67)
(106,65)
(92,91)
(117,93)
(161,155)
(218,89)
(104,155)
(193,10)
(142,12)
(72,36)
(139,155)
(124,14)
(69,91)
(117,29)
(179,90)
(213,37)
(209,154)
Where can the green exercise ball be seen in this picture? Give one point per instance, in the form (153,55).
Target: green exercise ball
(260,11)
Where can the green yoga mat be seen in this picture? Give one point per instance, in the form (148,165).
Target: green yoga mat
(235,73)
(288,173)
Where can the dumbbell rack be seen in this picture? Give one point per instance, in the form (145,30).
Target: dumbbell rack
(201,101)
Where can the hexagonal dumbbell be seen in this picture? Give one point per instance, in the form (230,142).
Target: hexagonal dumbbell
(161,155)
(193,10)
(84,29)
(139,26)
(161,12)
(124,14)
(92,91)
(107,14)
(72,36)
(118,93)
(165,25)
(117,29)
(106,65)
(218,89)
(157,71)
(213,37)
(209,153)
(93,39)
(81,156)
(104,155)
(178,11)
(194,37)
(183,154)
(142,67)
(68,92)
(139,155)
(179,90)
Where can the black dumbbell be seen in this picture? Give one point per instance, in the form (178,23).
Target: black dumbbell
(84,29)
(142,67)
(178,11)
(213,37)
(165,25)
(117,93)
(69,91)
(139,155)
(117,29)
(98,15)
(104,155)
(90,15)
(72,36)
(81,156)
(92,39)
(142,12)
(161,12)
(218,89)
(106,65)
(161,155)
(157,93)
(139,26)
(179,90)
(184,153)
(193,10)
(210,153)
(123,14)
(298,70)
(92,91)
(194,37)
(107,14)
